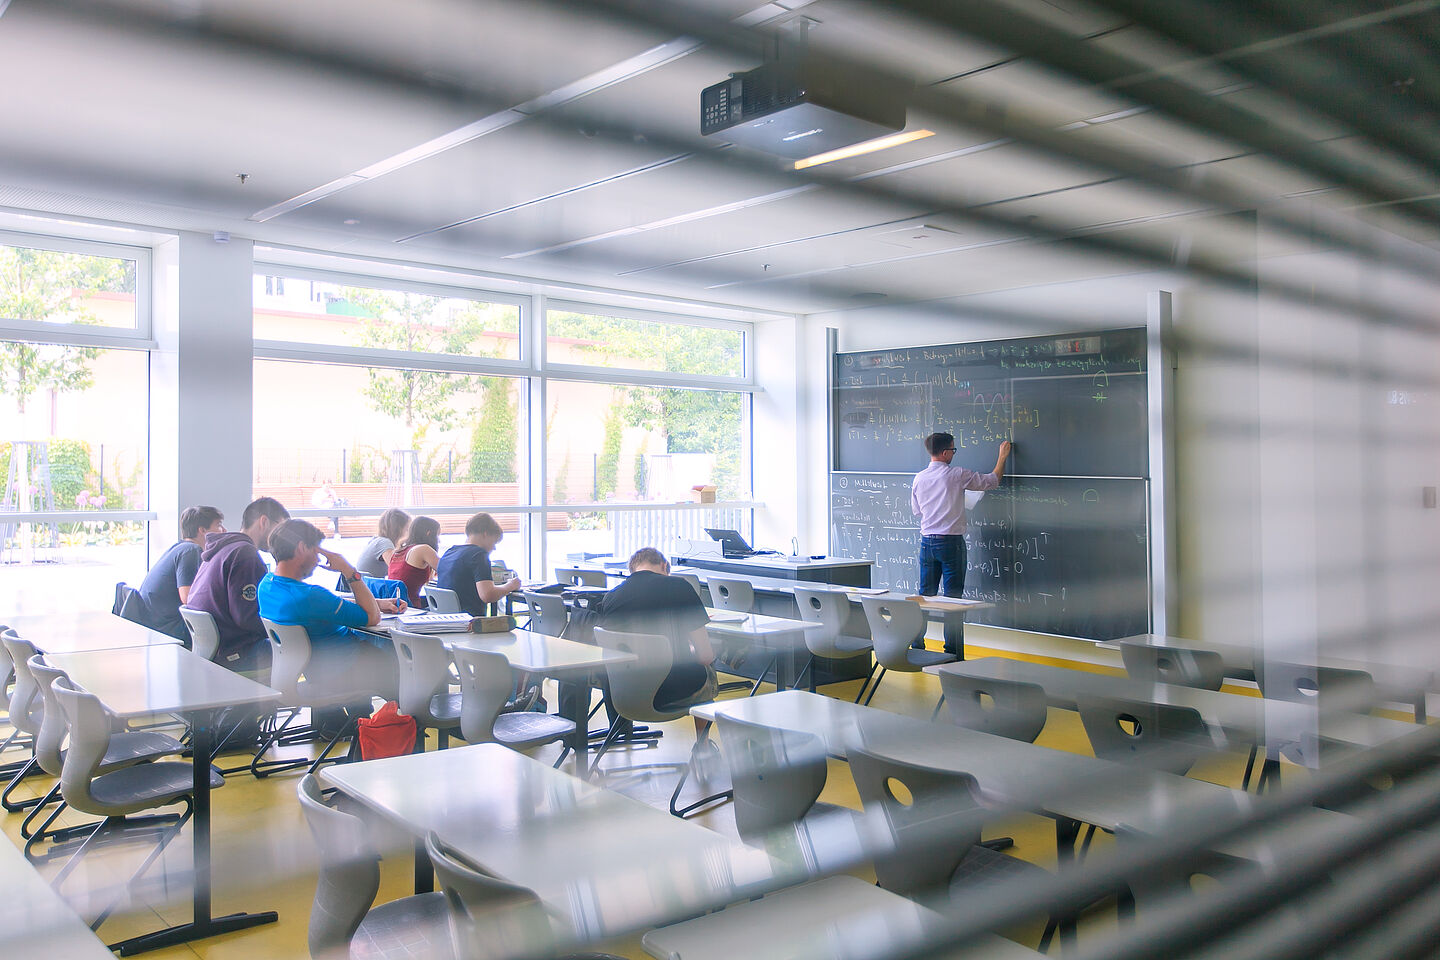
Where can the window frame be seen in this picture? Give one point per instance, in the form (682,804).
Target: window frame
(140,337)
(745,382)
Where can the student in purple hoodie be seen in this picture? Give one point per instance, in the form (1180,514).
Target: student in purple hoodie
(225,586)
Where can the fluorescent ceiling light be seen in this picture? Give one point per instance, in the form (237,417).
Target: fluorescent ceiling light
(860,149)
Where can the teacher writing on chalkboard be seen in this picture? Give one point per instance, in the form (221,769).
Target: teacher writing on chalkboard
(937,495)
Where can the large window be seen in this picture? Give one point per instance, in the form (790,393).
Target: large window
(372,394)
(74,412)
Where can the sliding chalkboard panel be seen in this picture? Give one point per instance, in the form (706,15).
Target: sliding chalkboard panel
(1057,555)
(1062,546)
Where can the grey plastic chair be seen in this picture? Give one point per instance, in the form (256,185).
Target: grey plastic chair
(776,775)
(1160,736)
(126,749)
(729,593)
(424,673)
(289,655)
(1202,669)
(547,613)
(485,684)
(489,917)
(342,921)
(116,795)
(204,635)
(633,686)
(580,577)
(935,837)
(27,712)
(831,608)
(894,626)
(1330,688)
(695,584)
(441,600)
(1005,708)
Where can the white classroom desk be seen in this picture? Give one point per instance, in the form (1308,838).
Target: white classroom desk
(1399,684)
(34,921)
(84,630)
(1012,774)
(168,679)
(1246,720)
(603,864)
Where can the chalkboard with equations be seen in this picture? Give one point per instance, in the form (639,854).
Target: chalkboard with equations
(1059,555)
(1062,546)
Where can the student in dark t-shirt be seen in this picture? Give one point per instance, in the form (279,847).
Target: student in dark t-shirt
(167,585)
(465,568)
(652,601)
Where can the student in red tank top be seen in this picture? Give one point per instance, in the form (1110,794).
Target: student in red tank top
(414,561)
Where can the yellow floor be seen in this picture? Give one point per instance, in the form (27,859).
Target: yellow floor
(264,858)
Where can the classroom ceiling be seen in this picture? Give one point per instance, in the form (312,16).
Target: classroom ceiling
(560,139)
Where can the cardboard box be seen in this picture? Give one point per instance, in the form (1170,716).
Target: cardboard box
(702,493)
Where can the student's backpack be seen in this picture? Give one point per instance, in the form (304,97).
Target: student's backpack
(389,733)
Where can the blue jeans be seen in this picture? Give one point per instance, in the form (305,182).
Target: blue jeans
(942,564)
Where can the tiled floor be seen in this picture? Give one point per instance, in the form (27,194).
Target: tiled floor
(264,858)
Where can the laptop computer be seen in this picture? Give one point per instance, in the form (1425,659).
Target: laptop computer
(731,543)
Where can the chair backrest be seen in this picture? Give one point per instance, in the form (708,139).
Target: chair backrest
(932,815)
(1203,669)
(204,635)
(53,728)
(289,653)
(894,625)
(1160,736)
(828,607)
(442,600)
(25,703)
(7,667)
(580,577)
(488,916)
(128,603)
(1332,688)
(89,723)
(633,685)
(695,584)
(424,671)
(1006,708)
(349,873)
(777,775)
(547,613)
(728,593)
(485,685)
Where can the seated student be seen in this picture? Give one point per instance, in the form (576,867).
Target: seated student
(339,659)
(167,585)
(225,586)
(414,561)
(465,568)
(375,557)
(652,601)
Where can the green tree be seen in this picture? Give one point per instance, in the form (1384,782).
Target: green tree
(607,469)
(52,287)
(492,437)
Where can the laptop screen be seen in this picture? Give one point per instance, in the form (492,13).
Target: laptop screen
(730,541)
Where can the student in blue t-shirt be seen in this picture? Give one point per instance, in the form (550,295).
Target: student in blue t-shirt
(466,568)
(339,658)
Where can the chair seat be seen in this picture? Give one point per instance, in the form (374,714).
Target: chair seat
(127,749)
(412,928)
(853,645)
(920,659)
(310,694)
(983,866)
(445,709)
(142,786)
(520,730)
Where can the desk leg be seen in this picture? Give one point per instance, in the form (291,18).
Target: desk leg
(575,706)
(954,625)
(1067,831)
(1420,708)
(203,924)
(424,869)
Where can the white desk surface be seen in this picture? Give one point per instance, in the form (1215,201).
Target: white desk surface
(1393,682)
(756,625)
(84,630)
(141,681)
(1245,719)
(1012,774)
(539,653)
(602,863)
(34,921)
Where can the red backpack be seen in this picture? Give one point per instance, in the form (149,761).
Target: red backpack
(389,733)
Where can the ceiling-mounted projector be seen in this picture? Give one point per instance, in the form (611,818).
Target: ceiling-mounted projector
(800,106)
